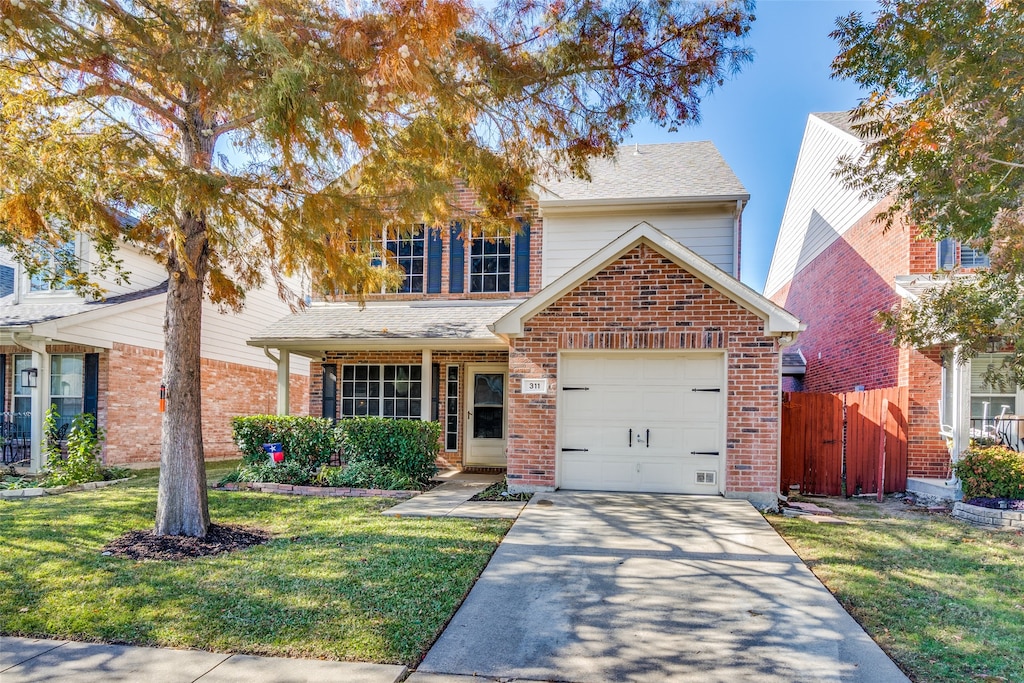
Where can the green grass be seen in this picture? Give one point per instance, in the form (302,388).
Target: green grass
(944,599)
(337,581)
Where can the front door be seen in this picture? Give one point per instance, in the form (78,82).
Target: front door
(486,415)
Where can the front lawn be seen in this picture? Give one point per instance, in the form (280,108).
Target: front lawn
(943,598)
(337,581)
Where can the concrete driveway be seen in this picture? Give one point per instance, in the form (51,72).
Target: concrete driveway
(593,587)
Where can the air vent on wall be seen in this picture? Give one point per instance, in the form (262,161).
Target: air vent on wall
(707,477)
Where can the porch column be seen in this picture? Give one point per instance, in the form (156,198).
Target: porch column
(283,363)
(40,404)
(961,405)
(284,376)
(426,385)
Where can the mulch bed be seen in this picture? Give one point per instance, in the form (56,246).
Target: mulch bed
(220,538)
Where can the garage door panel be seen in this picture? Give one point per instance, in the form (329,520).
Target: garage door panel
(652,395)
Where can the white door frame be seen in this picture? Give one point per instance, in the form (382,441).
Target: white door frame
(467,457)
(723,436)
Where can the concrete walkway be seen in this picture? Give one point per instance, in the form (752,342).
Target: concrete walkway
(452,499)
(24,660)
(590,587)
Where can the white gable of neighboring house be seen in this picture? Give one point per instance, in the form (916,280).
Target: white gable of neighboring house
(820,208)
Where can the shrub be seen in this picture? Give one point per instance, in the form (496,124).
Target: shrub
(311,441)
(287,472)
(407,448)
(366,474)
(991,472)
(82,463)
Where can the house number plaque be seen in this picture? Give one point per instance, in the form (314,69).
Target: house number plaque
(535,386)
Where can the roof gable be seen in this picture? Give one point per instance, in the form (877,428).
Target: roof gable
(778,321)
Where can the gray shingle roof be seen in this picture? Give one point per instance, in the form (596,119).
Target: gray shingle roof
(838,119)
(13,315)
(684,170)
(391,320)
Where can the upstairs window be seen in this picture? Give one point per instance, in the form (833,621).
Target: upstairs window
(952,253)
(409,251)
(61,262)
(490,264)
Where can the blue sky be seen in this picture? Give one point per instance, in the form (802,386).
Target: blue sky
(757,118)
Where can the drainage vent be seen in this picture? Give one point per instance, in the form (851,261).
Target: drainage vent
(706,477)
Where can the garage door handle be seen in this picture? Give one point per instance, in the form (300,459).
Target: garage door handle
(575,450)
(648,437)
(575,388)
(703,452)
(715,390)
(630,438)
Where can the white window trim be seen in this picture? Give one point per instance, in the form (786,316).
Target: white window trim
(511,264)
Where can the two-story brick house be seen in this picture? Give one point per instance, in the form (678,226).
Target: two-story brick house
(834,267)
(105,357)
(607,345)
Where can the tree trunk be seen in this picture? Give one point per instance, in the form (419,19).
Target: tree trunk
(182,508)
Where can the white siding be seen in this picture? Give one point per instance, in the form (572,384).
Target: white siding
(224,334)
(143,271)
(820,208)
(570,239)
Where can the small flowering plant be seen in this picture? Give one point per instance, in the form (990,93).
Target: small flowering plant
(991,472)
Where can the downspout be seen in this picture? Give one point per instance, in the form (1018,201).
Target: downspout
(283,363)
(737,229)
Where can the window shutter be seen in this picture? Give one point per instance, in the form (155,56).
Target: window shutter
(433,261)
(522,281)
(91,382)
(329,392)
(457,258)
(3,384)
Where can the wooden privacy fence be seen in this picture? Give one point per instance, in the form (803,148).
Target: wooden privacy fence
(848,443)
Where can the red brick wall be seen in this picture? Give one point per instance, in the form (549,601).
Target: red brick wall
(837,295)
(921,373)
(441,358)
(129,390)
(668,308)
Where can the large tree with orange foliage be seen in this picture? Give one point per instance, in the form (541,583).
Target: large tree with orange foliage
(944,131)
(230,129)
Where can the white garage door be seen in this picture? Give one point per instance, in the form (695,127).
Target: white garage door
(641,422)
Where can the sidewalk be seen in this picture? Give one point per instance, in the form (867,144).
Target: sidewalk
(24,660)
(452,499)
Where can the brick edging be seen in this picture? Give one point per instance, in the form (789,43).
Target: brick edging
(37,491)
(989,517)
(323,491)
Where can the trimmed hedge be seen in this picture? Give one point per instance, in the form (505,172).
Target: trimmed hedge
(309,441)
(407,448)
(991,472)
(380,453)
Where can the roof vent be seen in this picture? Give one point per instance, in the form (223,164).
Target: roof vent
(636,149)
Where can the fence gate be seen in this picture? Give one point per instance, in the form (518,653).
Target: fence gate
(829,439)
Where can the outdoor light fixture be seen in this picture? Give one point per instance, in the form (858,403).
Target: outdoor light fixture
(30,378)
(995,344)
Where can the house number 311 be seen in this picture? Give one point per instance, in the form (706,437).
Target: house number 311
(535,386)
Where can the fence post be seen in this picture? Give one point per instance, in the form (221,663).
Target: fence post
(881,449)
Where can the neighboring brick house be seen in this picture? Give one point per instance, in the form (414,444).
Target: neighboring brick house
(105,357)
(608,345)
(835,267)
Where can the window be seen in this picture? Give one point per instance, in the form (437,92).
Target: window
(6,280)
(948,259)
(67,389)
(409,252)
(490,264)
(382,391)
(451,412)
(60,262)
(22,404)
(988,400)
(67,385)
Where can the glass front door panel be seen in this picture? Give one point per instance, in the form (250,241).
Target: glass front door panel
(489,406)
